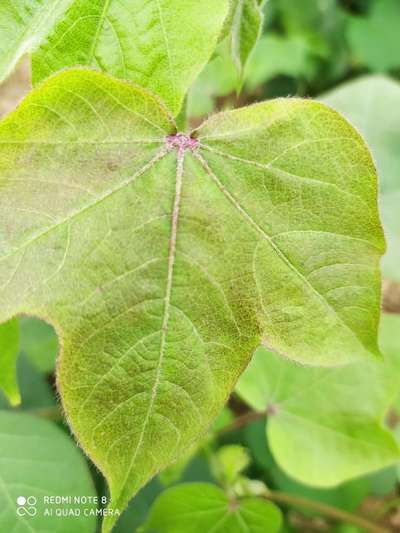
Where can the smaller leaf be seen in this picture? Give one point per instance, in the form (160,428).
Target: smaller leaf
(9,344)
(325,425)
(247,21)
(232,459)
(190,508)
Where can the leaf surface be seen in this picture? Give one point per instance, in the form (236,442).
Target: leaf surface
(23,26)
(39,460)
(160,44)
(325,426)
(247,20)
(372,104)
(9,346)
(164,260)
(189,508)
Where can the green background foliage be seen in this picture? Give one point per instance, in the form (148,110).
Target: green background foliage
(292,438)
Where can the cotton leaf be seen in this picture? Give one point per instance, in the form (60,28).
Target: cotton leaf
(163,260)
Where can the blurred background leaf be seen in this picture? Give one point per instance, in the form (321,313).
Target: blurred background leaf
(375,37)
(39,342)
(37,459)
(325,425)
(372,104)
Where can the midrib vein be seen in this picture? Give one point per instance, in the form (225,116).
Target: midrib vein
(166,313)
(79,212)
(273,245)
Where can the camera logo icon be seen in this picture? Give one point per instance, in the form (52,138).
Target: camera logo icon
(26,506)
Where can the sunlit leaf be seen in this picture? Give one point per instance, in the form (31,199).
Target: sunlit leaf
(163,260)
(190,508)
(232,460)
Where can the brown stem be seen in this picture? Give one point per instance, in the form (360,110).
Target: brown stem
(242,420)
(326,510)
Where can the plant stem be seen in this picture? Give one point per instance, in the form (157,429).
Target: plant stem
(242,420)
(327,510)
(282,497)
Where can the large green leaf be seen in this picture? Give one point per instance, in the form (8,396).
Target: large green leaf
(9,346)
(372,104)
(194,507)
(38,461)
(163,260)
(326,425)
(161,44)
